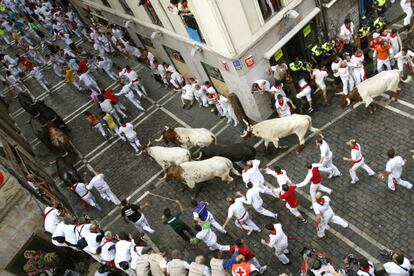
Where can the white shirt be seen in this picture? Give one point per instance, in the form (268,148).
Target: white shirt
(325,150)
(150,57)
(358,61)
(283,109)
(253,197)
(106,106)
(122,251)
(405,5)
(127,91)
(98,182)
(356,153)
(280,239)
(403,59)
(253,174)
(51,220)
(135,251)
(36,73)
(371,271)
(335,66)
(80,189)
(67,39)
(236,209)
(324,210)
(132,75)
(106,254)
(207,236)
(277,91)
(395,166)
(263,84)
(67,231)
(86,79)
(281,178)
(177,77)
(395,270)
(188,91)
(105,64)
(211,90)
(347,33)
(128,130)
(92,243)
(343,72)
(319,76)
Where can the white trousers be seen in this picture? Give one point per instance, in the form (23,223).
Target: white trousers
(246,224)
(136,102)
(120,108)
(280,252)
(294,211)
(134,142)
(231,116)
(108,195)
(409,14)
(111,74)
(57,70)
(324,224)
(305,93)
(218,246)
(202,100)
(315,187)
(380,64)
(142,224)
(99,127)
(392,182)
(259,208)
(214,223)
(328,164)
(358,75)
(356,166)
(90,200)
(347,84)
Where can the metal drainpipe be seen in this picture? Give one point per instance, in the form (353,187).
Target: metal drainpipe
(220,20)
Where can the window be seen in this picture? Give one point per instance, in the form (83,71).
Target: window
(174,54)
(125,6)
(106,3)
(150,11)
(269,8)
(182,8)
(212,72)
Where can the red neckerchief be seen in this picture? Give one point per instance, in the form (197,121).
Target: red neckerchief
(279,173)
(342,66)
(366,269)
(355,147)
(281,101)
(392,35)
(349,28)
(273,232)
(320,201)
(336,61)
(358,54)
(128,70)
(124,124)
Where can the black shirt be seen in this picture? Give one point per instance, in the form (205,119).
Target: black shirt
(131,212)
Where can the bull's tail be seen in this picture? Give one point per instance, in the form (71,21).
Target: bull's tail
(311,128)
(232,169)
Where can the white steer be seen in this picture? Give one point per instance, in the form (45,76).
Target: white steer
(191,173)
(274,129)
(377,85)
(166,157)
(188,137)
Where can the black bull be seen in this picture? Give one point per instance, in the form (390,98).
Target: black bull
(66,171)
(234,152)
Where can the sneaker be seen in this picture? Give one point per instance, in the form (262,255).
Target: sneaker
(310,110)
(353,182)
(249,232)
(262,269)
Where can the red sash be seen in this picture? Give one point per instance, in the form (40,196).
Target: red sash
(47,213)
(316,176)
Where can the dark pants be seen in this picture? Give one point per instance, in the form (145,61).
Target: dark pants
(182,232)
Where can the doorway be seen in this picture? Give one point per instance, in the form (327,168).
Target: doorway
(216,79)
(178,61)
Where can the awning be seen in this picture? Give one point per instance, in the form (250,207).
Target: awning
(291,33)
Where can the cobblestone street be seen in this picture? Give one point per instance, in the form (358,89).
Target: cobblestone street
(378,219)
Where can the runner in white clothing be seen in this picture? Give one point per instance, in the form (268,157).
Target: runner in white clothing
(237,210)
(51,218)
(206,234)
(85,194)
(127,91)
(253,175)
(136,81)
(98,182)
(38,76)
(357,160)
(89,82)
(326,157)
(277,240)
(280,175)
(324,215)
(393,170)
(408,10)
(315,178)
(127,131)
(105,64)
(187,95)
(358,71)
(320,74)
(253,198)
(305,92)
(283,106)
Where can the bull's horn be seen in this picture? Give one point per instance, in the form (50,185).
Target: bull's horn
(199,156)
(246,122)
(166,128)
(159,139)
(348,101)
(244,134)
(149,143)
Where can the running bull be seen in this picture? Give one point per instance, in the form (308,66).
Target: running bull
(234,152)
(188,137)
(274,129)
(191,173)
(377,85)
(166,157)
(66,171)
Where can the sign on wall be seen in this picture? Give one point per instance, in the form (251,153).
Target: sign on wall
(237,64)
(225,65)
(307,30)
(278,55)
(249,60)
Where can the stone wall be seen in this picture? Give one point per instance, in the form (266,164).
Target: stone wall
(337,12)
(20,217)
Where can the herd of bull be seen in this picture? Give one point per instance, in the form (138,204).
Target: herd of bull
(213,160)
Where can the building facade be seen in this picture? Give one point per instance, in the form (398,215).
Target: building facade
(232,43)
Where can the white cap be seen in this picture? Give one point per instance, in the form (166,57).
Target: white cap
(375,35)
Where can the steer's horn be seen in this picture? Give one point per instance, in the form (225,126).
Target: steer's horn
(159,139)
(199,156)
(246,122)
(348,101)
(244,134)
(166,128)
